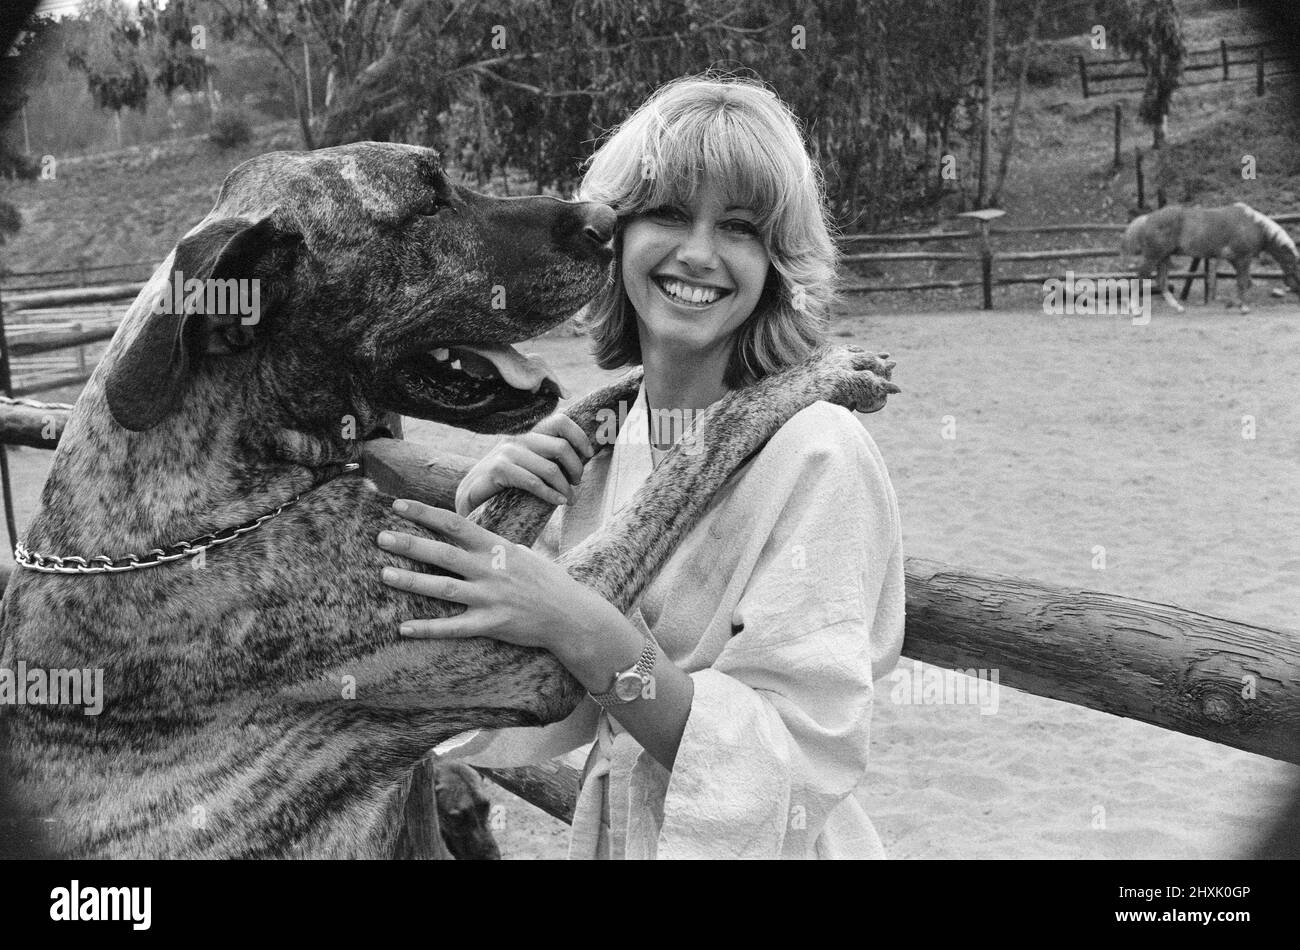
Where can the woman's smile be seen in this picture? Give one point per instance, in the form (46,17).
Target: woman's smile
(687,294)
(694,272)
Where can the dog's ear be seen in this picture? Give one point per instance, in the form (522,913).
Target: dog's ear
(147,382)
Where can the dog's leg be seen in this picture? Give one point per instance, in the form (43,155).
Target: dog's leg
(621,560)
(519,516)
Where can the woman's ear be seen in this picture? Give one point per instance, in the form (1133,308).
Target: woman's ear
(225,279)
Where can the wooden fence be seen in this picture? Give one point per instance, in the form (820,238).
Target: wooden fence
(1231,683)
(1228,682)
(28,337)
(987,255)
(1250,60)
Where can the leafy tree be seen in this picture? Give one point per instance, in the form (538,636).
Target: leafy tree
(24,67)
(175,61)
(109,52)
(123,52)
(1152,32)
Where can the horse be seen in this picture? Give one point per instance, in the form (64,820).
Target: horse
(1237,232)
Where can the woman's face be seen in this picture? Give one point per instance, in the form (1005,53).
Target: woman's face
(693,273)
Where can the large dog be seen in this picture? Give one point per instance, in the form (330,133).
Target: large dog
(1237,232)
(257,700)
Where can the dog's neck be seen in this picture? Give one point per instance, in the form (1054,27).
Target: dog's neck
(230,454)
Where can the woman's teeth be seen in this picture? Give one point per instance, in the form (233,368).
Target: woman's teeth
(689,294)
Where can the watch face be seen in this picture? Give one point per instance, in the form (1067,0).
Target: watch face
(628,687)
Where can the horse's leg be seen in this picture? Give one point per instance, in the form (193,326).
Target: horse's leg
(1162,275)
(1191,279)
(1211,279)
(1242,267)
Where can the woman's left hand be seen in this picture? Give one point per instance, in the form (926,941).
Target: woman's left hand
(510,592)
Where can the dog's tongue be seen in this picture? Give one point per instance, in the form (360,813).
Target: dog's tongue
(519,371)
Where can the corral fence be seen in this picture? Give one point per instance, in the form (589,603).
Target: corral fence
(1227,62)
(1229,682)
(51,334)
(983,250)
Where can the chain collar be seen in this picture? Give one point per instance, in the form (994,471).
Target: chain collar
(103,564)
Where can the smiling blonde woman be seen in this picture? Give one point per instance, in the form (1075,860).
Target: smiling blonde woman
(729,713)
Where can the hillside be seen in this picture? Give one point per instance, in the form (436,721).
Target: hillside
(131,206)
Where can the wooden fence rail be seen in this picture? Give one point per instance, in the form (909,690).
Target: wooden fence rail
(35,340)
(988,280)
(1228,682)
(1218,679)
(1091,72)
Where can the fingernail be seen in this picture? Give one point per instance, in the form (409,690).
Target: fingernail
(400,505)
(386,537)
(389,574)
(406,630)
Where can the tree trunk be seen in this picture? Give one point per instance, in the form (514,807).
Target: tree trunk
(1004,162)
(986,108)
(300,107)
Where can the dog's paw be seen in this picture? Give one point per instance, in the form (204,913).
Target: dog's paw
(856,378)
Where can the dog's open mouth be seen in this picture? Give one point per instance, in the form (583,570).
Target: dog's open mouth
(482,387)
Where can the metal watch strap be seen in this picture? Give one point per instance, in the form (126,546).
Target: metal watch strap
(645,664)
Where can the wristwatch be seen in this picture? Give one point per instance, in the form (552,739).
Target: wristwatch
(630,684)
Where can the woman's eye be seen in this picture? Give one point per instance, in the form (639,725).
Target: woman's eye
(665,213)
(741,227)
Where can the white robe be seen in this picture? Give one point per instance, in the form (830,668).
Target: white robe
(784,604)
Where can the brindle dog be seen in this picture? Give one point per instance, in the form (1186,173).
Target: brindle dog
(258,701)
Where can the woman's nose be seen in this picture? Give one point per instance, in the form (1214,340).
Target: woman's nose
(697,249)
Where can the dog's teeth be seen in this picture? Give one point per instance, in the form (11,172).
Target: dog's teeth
(455,364)
(441,355)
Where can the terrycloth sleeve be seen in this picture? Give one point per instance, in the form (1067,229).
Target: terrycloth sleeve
(778,730)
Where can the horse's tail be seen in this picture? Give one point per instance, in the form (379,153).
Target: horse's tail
(1131,244)
(1277,244)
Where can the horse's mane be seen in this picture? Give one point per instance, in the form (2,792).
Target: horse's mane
(1275,235)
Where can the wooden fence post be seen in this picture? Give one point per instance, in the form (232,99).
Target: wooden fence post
(983,217)
(1119,121)
(1223,55)
(421,837)
(986,265)
(6,387)
(6,381)
(1083,76)
(1141,180)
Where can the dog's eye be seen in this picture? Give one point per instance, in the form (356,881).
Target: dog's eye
(436,200)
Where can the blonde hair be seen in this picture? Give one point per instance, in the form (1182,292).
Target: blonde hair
(739,131)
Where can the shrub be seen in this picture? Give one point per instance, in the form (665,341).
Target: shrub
(1049,65)
(230,129)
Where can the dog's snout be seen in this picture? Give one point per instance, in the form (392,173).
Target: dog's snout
(586,227)
(598,224)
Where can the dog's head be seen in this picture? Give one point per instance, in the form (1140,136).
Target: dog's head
(362,271)
(464,813)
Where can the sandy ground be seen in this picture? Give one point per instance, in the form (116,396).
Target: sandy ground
(1069,433)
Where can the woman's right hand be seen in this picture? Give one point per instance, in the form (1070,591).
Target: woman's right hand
(546,462)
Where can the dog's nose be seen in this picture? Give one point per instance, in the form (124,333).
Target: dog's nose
(598,223)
